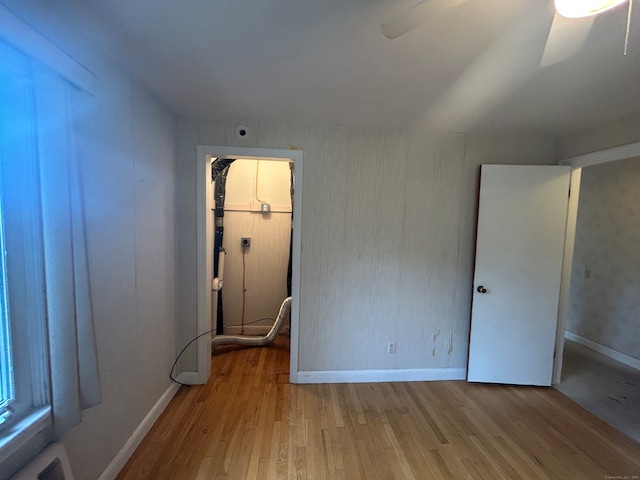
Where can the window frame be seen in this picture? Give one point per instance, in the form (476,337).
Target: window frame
(7,391)
(21,39)
(29,412)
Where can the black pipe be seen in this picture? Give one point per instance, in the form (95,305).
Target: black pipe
(219,171)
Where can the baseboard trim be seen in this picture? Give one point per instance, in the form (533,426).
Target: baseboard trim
(125,453)
(606,351)
(372,376)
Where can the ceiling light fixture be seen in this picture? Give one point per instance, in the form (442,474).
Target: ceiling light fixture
(584,8)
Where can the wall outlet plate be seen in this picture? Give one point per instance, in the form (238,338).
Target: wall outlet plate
(265,207)
(245,242)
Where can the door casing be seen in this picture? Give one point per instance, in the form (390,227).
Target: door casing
(204,233)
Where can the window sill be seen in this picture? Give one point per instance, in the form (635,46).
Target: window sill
(24,430)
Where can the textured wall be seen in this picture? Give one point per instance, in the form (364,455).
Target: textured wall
(273,179)
(266,262)
(132,260)
(388,227)
(605,286)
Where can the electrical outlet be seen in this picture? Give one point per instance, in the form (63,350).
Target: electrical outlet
(245,242)
(391,347)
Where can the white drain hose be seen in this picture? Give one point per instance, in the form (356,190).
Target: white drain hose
(256,341)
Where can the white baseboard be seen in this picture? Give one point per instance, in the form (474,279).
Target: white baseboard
(606,351)
(370,376)
(121,458)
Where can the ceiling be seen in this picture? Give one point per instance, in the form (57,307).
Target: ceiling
(471,66)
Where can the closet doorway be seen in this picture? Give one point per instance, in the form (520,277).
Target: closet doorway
(205,241)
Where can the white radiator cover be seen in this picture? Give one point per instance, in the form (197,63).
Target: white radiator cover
(50,464)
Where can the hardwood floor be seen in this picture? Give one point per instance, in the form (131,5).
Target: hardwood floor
(249,422)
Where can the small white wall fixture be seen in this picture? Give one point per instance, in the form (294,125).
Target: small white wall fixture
(205,229)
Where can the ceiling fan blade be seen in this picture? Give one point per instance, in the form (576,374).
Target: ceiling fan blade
(415,16)
(566,37)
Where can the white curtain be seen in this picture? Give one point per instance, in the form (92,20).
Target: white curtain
(63,137)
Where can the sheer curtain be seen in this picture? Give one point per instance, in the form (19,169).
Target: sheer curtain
(64,141)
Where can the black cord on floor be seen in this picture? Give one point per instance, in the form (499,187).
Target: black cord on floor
(196,338)
(180,354)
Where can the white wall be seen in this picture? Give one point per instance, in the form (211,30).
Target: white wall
(605,287)
(131,243)
(388,227)
(130,190)
(272,177)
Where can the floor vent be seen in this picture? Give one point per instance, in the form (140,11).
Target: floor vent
(51,464)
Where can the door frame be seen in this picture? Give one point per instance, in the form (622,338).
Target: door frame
(577,163)
(205,224)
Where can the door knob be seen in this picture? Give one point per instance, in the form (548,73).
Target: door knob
(481,289)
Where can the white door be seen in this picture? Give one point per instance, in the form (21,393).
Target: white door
(520,243)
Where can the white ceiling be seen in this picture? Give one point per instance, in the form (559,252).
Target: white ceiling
(471,67)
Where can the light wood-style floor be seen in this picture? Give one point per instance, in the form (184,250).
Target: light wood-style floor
(249,422)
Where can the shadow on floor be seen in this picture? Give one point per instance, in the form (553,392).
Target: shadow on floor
(603,386)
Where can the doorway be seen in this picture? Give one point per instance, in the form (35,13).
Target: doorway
(578,163)
(253,227)
(601,370)
(205,235)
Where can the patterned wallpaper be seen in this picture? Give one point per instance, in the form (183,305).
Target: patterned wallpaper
(605,280)
(388,235)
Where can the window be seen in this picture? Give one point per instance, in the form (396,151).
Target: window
(6,369)
(23,367)
(51,371)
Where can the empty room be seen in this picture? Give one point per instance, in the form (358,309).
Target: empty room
(337,239)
